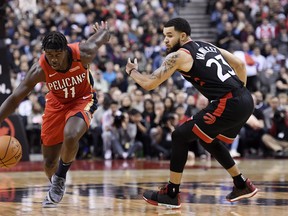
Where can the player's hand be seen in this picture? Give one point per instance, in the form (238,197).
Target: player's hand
(131,65)
(103,27)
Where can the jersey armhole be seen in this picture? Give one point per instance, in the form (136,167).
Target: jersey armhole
(75,52)
(185,50)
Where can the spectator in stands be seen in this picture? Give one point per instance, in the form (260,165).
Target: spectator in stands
(120,81)
(247,31)
(149,113)
(34,123)
(251,133)
(142,132)
(99,82)
(260,104)
(123,133)
(109,74)
(217,13)
(95,130)
(225,39)
(125,103)
(220,27)
(270,111)
(168,106)
(250,64)
(282,40)
(107,124)
(259,59)
(159,56)
(283,100)
(180,99)
(161,140)
(266,31)
(159,114)
(275,60)
(282,81)
(191,101)
(141,59)
(115,94)
(137,99)
(180,111)
(277,138)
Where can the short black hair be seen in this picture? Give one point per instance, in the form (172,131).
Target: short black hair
(114,102)
(180,25)
(134,112)
(54,40)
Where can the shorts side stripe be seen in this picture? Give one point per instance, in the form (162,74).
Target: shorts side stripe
(222,105)
(225,139)
(201,134)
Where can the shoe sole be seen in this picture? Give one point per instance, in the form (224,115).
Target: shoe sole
(244,196)
(49,205)
(152,202)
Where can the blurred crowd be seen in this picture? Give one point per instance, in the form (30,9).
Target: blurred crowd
(131,122)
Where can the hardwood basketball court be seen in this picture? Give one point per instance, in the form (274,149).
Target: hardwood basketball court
(98,187)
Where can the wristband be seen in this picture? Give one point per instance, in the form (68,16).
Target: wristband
(129,72)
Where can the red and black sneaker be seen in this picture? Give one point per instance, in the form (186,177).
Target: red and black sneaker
(161,198)
(237,194)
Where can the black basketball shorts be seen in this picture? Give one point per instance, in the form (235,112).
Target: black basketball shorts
(223,118)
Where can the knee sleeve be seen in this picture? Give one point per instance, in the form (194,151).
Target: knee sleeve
(182,137)
(220,152)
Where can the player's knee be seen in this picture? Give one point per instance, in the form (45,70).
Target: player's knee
(183,135)
(71,136)
(50,163)
(177,136)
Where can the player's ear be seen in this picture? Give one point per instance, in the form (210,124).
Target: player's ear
(183,36)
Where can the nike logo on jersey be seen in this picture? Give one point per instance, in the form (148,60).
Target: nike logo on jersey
(51,75)
(85,97)
(74,69)
(209,118)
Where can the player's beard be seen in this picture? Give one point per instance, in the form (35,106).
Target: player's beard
(174,48)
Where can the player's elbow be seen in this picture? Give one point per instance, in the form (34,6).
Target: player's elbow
(242,66)
(148,86)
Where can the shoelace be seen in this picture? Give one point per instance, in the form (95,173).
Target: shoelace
(58,186)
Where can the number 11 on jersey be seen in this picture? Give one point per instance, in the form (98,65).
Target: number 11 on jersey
(66,91)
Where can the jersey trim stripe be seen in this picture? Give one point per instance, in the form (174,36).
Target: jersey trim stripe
(185,50)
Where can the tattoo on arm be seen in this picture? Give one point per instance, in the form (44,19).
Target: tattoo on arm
(168,63)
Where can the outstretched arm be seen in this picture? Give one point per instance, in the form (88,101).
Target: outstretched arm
(171,63)
(34,76)
(88,49)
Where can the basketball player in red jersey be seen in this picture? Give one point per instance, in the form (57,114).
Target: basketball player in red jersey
(70,101)
(219,76)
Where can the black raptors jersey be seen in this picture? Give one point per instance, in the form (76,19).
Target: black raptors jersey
(210,74)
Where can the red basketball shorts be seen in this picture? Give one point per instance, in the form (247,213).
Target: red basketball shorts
(56,114)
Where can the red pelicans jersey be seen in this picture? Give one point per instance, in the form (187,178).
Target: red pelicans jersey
(69,85)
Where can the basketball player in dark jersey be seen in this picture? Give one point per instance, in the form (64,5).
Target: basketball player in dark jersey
(70,101)
(219,76)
